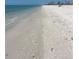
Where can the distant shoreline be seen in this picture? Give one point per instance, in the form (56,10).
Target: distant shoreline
(58,4)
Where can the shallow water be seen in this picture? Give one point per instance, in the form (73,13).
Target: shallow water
(12,13)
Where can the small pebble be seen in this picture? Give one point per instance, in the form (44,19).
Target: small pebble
(52,49)
(33,56)
(71,38)
(6,54)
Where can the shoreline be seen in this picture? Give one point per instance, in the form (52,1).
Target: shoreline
(45,34)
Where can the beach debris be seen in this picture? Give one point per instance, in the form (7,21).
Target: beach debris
(33,56)
(71,38)
(6,54)
(52,49)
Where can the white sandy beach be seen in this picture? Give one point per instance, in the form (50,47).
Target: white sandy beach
(43,33)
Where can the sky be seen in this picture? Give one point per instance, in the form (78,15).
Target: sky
(29,2)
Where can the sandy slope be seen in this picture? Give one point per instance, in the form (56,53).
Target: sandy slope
(45,34)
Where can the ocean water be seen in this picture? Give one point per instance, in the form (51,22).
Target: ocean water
(16,8)
(12,13)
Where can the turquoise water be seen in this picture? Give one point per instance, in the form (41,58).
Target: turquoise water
(16,8)
(12,12)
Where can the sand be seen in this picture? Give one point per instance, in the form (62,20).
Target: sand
(45,33)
